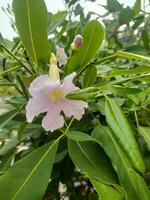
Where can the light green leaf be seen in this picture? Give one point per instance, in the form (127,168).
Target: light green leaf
(79,136)
(145,132)
(93,37)
(142,188)
(31,21)
(8,116)
(137,6)
(28,178)
(106,192)
(132,56)
(121,129)
(91,159)
(84,94)
(56,20)
(122,90)
(120,160)
(89,76)
(136,70)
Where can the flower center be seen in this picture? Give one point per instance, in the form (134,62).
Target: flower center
(55,95)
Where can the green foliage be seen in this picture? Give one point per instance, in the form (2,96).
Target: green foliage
(93,37)
(123,132)
(105,154)
(28,20)
(24,174)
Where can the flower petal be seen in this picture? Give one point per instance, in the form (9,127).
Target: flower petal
(74,108)
(35,107)
(42,86)
(67,85)
(61,56)
(52,121)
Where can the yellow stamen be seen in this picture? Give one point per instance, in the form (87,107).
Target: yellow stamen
(56,95)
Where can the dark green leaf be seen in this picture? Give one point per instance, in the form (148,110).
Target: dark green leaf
(113,5)
(126,15)
(122,130)
(31,21)
(28,172)
(119,159)
(91,159)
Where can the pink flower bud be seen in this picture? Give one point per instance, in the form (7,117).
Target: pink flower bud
(78,41)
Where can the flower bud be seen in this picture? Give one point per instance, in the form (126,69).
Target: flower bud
(77,42)
(53,68)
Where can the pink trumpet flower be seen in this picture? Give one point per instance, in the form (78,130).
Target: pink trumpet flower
(49,95)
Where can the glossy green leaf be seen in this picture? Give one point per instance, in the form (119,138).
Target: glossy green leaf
(122,130)
(142,189)
(84,94)
(91,159)
(106,192)
(145,132)
(119,159)
(31,21)
(89,77)
(136,70)
(132,56)
(79,136)
(28,178)
(93,37)
(122,90)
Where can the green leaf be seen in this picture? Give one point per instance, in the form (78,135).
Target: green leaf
(142,188)
(113,5)
(121,129)
(132,56)
(31,21)
(84,94)
(145,38)
(25,179)
(89,76)
(126,15)
(79,136)
(145,132)
(122,90)
(119,159)
(137,7)
(56,20)
(6,83)
(93,37)
(91,159)
(5,118)
(136,70)
(106,192)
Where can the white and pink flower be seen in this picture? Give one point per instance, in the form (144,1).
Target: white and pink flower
(49,96)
